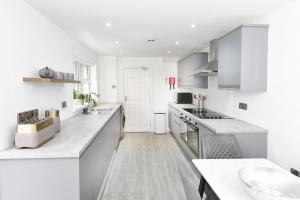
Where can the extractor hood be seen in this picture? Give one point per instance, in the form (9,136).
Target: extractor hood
(212,66)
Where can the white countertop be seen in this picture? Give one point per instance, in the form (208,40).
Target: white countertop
(222,125)
(76,134)
(222,175)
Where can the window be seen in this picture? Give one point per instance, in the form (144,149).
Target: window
(82,73)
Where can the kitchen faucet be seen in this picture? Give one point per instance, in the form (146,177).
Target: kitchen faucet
(88,109)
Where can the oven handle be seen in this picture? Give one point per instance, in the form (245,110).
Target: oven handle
(193,127)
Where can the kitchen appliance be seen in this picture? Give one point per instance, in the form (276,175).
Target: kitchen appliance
(184,98)
(212,66)
(31,131)
(190,134)
(54,114)
(206,114)
(123,118)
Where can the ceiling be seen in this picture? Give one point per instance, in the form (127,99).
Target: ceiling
(133,22)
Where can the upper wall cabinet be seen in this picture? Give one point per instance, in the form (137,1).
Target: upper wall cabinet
(242,56)
(187,68)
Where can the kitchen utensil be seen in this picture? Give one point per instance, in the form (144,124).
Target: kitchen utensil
(46,73)
(265,183)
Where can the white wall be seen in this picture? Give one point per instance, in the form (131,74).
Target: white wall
(160,69)
(28,42)
(277,109)
(107,78)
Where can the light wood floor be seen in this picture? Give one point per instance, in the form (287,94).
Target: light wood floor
(150,167)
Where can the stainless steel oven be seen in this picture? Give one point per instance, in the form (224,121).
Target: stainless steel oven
(190,133)
(193,138)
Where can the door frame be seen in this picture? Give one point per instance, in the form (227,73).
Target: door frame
(150,91)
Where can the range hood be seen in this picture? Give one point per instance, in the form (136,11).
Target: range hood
(212,66)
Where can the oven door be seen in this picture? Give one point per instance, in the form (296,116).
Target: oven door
(193,138)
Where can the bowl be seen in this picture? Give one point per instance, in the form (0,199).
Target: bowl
(264,183)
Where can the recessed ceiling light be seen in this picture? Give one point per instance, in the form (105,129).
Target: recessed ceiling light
(177,43)
(117,42)
(108,24)
(193,26)
(168,52)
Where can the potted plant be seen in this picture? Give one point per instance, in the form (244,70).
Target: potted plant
(81,98)
(75,93)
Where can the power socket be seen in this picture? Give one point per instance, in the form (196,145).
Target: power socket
(243,106)
(295,172)
(63,104)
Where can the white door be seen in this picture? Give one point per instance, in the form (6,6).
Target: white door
(137,99)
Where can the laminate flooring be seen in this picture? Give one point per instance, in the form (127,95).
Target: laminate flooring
(150,167)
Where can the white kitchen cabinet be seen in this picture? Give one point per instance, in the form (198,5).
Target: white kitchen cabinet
(187,66)
(242,57)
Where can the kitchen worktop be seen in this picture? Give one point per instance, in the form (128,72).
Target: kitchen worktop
(221,125)
(75,136)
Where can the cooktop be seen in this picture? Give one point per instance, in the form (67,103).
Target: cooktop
(206,114)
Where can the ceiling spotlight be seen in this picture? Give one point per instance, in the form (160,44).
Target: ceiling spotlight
(117,42)
(193,26)
(108,24)
(177,43)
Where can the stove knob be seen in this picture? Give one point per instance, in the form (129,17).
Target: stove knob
(220,117)
(190,119)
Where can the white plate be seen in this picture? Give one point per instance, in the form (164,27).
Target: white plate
(265,183)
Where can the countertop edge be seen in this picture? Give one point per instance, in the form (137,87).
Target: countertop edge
(262,130)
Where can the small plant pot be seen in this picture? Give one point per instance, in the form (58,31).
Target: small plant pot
(81,101)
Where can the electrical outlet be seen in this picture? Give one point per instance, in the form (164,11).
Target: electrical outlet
(243,106)
(295,172)
(63,104)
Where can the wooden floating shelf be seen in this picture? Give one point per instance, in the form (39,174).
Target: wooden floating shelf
(48,80)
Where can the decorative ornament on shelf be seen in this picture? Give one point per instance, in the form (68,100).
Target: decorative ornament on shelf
(46,73)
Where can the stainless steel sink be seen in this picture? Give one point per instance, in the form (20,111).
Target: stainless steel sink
(265,183)
(101,111)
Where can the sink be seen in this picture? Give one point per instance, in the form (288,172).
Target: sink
(265,183)
(101,111)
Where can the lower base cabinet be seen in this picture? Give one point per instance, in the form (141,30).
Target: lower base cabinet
(95,161)
(62,178)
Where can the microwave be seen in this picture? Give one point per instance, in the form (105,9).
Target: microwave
(184,98)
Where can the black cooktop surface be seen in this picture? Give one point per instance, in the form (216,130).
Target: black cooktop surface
(206,114)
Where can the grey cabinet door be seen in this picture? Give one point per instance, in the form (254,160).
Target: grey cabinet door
(95,161)
(188,65)
(229,55)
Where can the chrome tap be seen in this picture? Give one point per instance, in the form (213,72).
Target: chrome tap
(88,109)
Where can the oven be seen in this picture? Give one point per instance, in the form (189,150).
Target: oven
(190,134)
(193,138)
